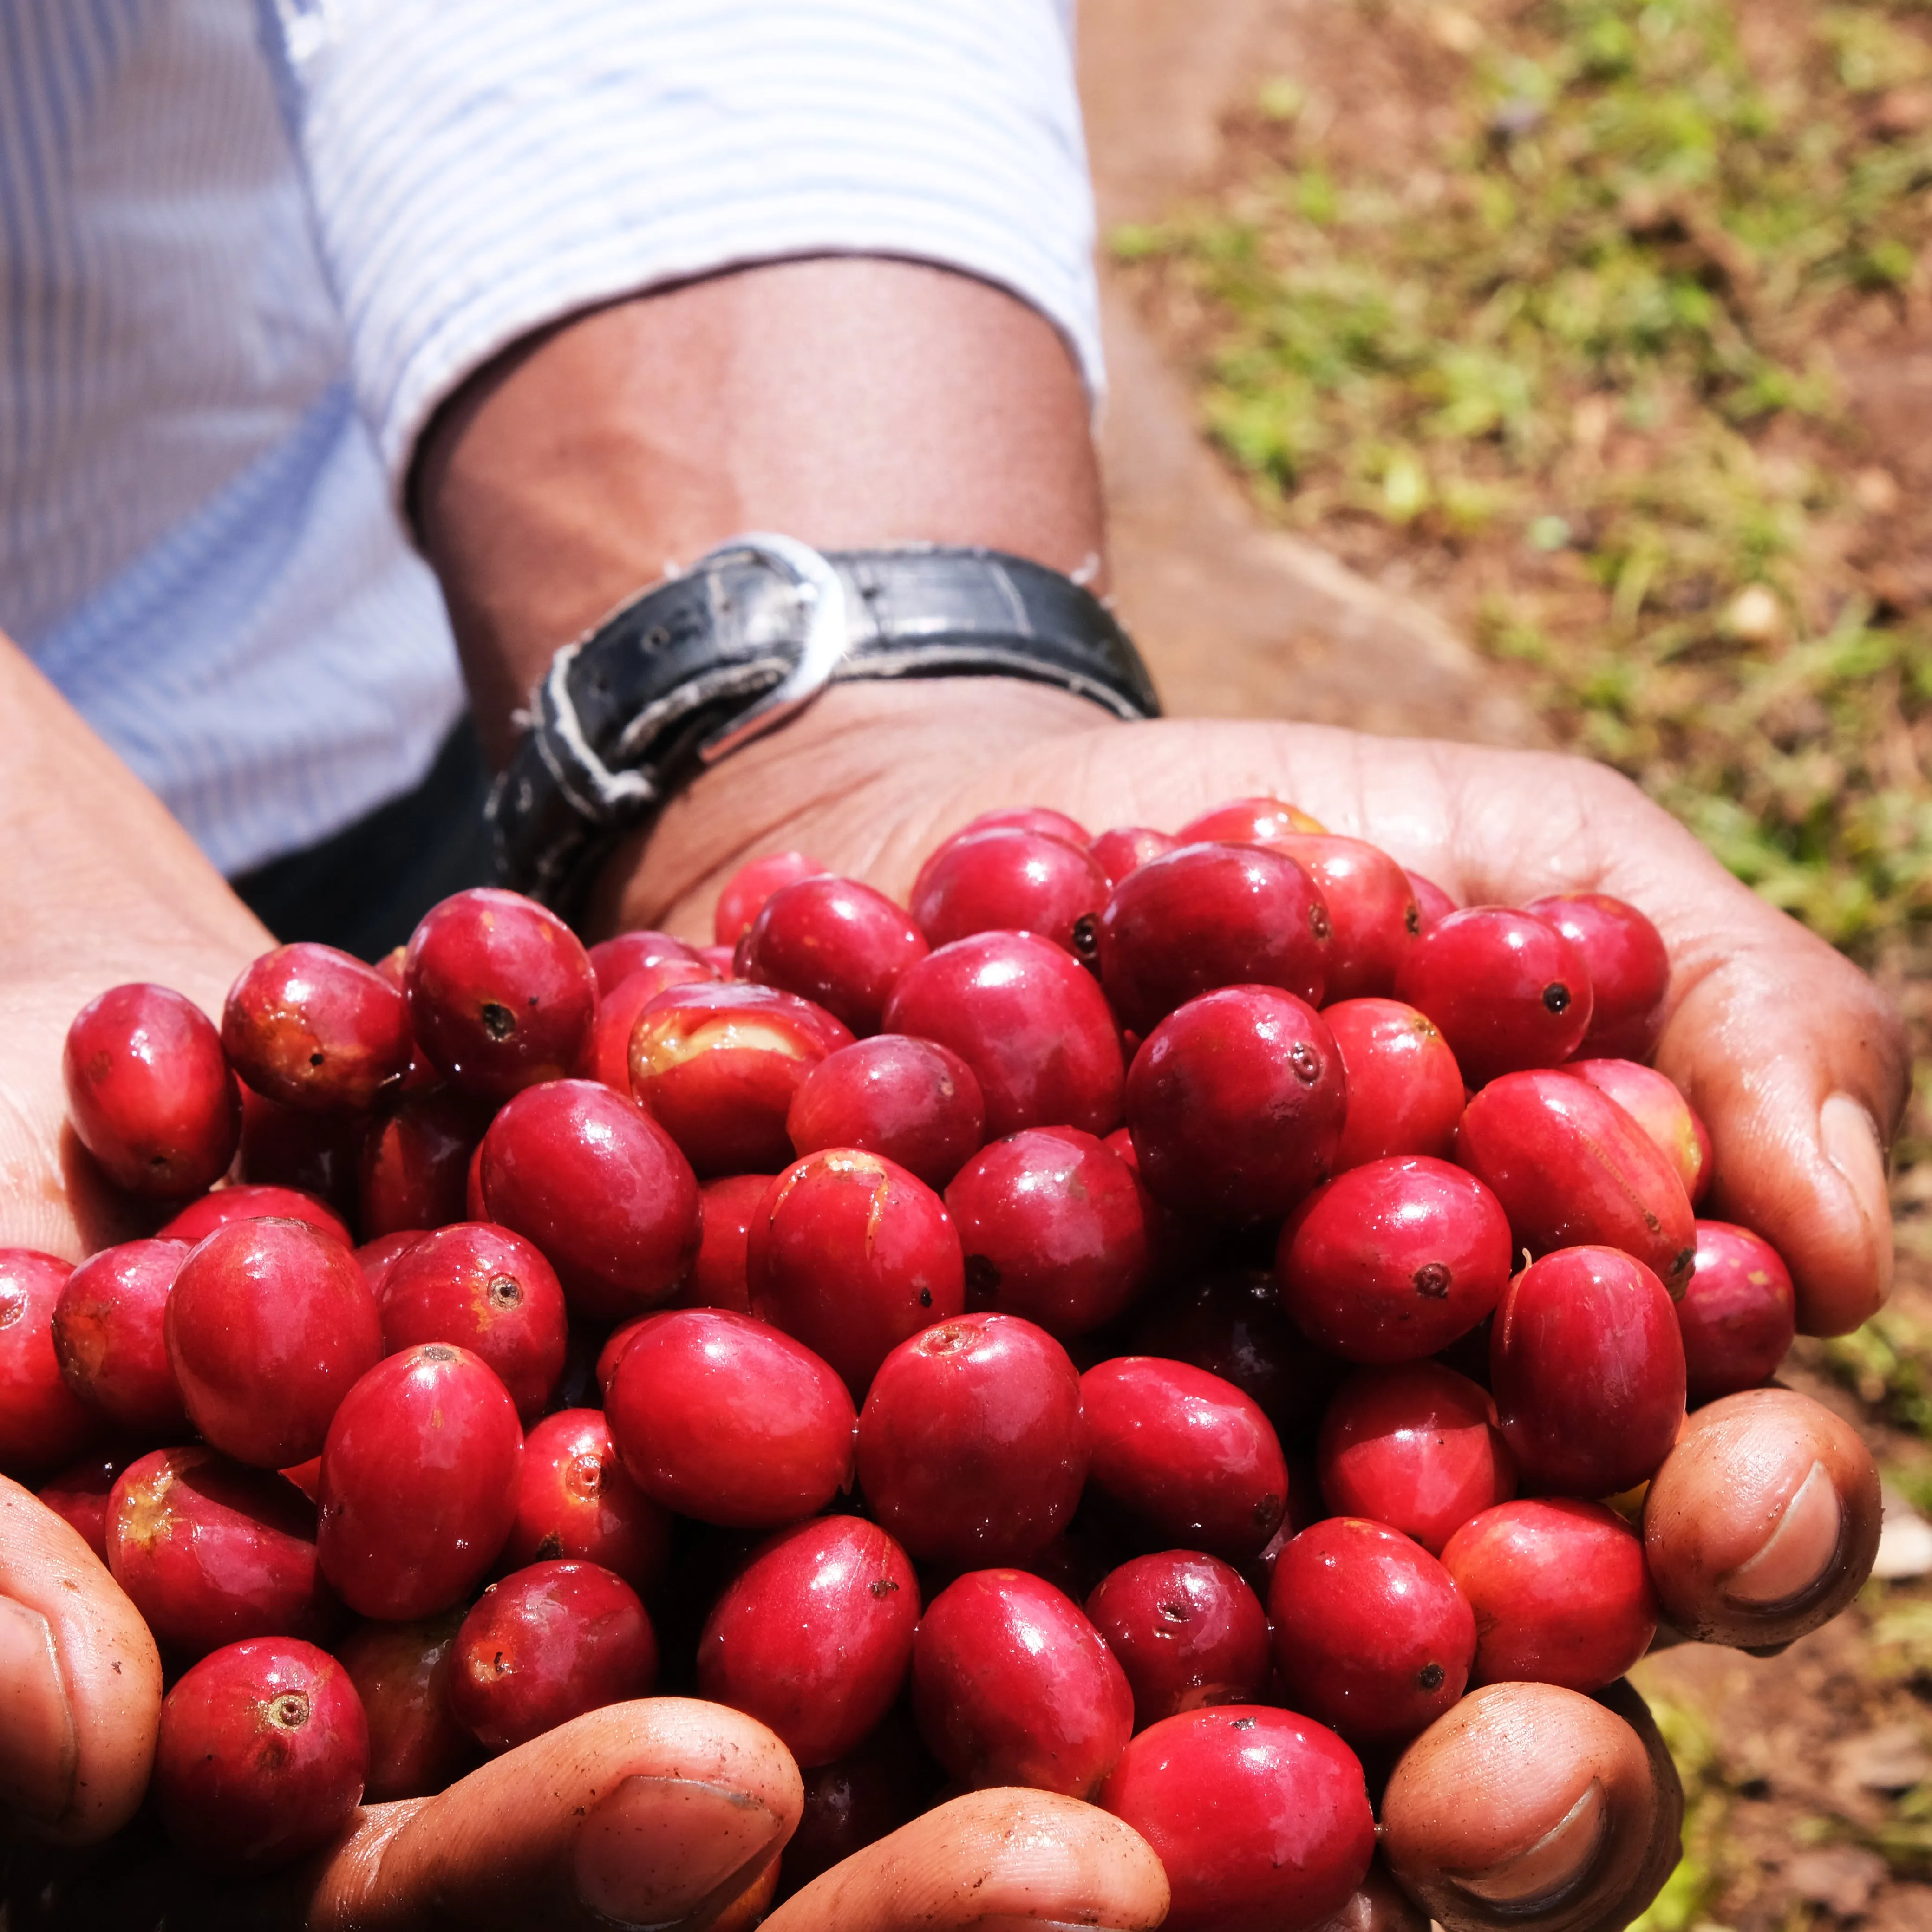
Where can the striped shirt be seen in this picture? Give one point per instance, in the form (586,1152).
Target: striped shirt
(246,250)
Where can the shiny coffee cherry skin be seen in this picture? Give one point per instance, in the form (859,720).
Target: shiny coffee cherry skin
(835,942)
(1029,818)
(269,1324)
(1738,1317)
(1206,916)
(261,1756)
(1506,989)
(413,1161)
(1248,821)
(406,1549)
(1371,1635)
(614,960)
(377,1258)
(1628,966)
(1432,902)
(109,1333)
(813,1636)
(317,1153)
(78,1495)
(1236,1102)
(1119,849)
(728,1208)
(1260,1817)
(748,888)
(607,1060)
(1372,911)
(1416,1446)
(1559,1590)
(1406,1093)
(250,1202)
(1012,1684)
(914,1101)
(401,1673)
(727,1420)
(315,1029)
(1010,878)
(972,1447)
(575,1501)
(1187,1630)
(1651,1099)
(547,1644)
(149,1091)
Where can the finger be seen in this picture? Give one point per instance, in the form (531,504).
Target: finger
(995,1861)
(1532,1807)
(80,1682)
(1763,1521)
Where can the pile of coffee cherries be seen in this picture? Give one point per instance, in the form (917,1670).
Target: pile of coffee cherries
(1160,1318)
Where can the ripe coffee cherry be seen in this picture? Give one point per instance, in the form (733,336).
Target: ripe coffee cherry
(1260,1818)
(914,1101)
(1739,1314)
(1392,1261)
(1029,818)
(1559,1590)
(228,1205)
(375,1258)
(268,1325)
(1248,821)
(1405,1089)
(210,1552)
(728,1206)
(1370,1634)
(315,1029)
(814,1637)
(1572,1169)
(1186,1629)
(1185,1454)
(972,1451)
(401,1673)
(1415,1447)
(1629,969)
(546,1644)
(1055,1227)
(1201,917)
(1030,1021)
(399,1548)
(1587,1365)
(834,941)
(108,1334)
(414,1161)
(1006,878)
(79,1496)
(1235,1102)
(1507,988)
(314,1152)
(619,1010)
(1372,911)
(601,1191)
(1651,1099)
(501,993)
(1012,1684)
(852,1255)
(857,1800)
(1117,852)
(717,1065)
(1432,902)
(262,1753)
(575,1501)
(747,889)
(615,960)
(726,1419)
(149,1091)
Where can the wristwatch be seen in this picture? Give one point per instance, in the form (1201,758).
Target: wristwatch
(693,667)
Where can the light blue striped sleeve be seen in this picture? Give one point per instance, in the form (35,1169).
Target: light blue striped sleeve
(479,168)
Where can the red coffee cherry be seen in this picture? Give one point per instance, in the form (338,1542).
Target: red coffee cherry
(313,1153)
(1587,1365)
(1507,990)
(501,993)
(616,959)
(1235,1102)
(1739,1316)
(1651,1099)
(833,941)
(375,1258)
(574,1500)
(814,1637)
(914,1101)
(1406,1091)
(1372,911)
(149,1091)
(1012,1684)
(1030,1021)
(1185,1454)
(546,1644)
(726,1419)
(1432,902)
(1370,1635)
(1260,1818)
(108,1337)
(79,1496)
(401,1673)
(747,889)
(971,1447)
(315,1029)
(261,1756)
(415,1161)
(1415,1447)
(268,1325)
(600,1189)
(728,1206)
(608,1060)
(1392,1261)
(1186,1629)
(1029,818)
(1247,821)
(1629,969)
(398,1548)
(1007,878)
(857,1800)
(227,1205)
(1559,1590)
(1054,1227)
(1118,851)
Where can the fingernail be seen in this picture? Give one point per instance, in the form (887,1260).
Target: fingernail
(1542,1877)
(654,1850)
(1850,1139)
(1798,1554)
(38,1748)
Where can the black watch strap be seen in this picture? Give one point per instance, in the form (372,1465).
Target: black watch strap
(693,667)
